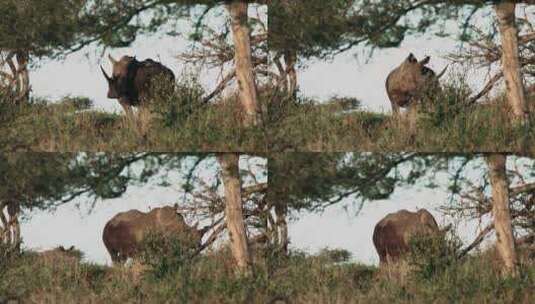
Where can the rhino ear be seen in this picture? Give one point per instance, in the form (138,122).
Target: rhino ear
(112,60)
(425,61)
(61,248)
(411,58)
(71,248)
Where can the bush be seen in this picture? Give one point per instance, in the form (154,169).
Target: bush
(298,278)
(440,106)
(337,255)
(167,254)
(8,254)
(175,106)
(430,255)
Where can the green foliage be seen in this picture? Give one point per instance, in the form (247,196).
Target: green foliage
(166,255)
(8,254)
(337,255)
(314,181)
(177,107)
(44,181)
(320,28)
(431,255)
(40,27)
(178,123)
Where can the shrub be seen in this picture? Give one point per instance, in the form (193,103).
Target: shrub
(166,254)
(430,255)
(175,106)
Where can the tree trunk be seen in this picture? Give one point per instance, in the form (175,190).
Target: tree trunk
(234,211)
(5,234)
(13,210)
(10,226)
(290,59)
(505,243)
(243,61)
(22,62)
(505,12)
(281,211)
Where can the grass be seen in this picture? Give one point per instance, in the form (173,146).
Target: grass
(327,277)
(180,122)
(445,124)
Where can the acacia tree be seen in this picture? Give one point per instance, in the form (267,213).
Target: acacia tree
(29,31)
(500,210)
(234,211)
(483,50)
(45,181)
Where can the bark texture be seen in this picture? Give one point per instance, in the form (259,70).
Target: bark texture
(505,243)
(243,61)
(234,211)
(505,12)
(281,211)
(22,61)
(10,226)
(15,75)
(290,59)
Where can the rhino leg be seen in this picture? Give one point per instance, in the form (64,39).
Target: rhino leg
(395,109)
(127,109)
(412,116)
(116,257)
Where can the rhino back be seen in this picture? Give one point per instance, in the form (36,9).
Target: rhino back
(125,231)
(149,71)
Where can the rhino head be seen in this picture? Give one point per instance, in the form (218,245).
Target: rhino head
(420,67)
(120,82)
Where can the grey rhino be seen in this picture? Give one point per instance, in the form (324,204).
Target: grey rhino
(407,82)
(132,81)
(392,234)
(123,235)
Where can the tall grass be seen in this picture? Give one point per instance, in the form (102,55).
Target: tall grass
(327,277)
(179,121)
(446,123)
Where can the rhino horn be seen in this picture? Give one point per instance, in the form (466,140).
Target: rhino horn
(105,75)
(411,58)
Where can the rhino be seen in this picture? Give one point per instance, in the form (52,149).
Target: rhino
(406,83)
(132,80)
(124,234)
(392,234)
